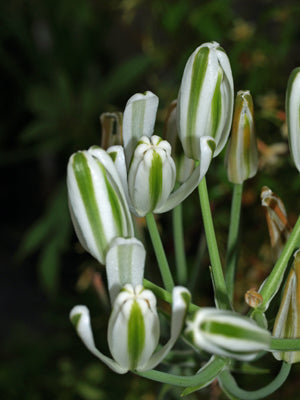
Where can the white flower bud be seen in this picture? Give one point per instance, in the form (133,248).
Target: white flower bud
(97,201)
(227,333)
(293,115)
(205,101)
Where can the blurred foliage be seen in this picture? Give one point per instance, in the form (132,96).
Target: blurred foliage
(62,64)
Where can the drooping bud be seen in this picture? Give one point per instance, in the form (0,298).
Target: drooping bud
(133,328)
(242,157)
(97,201)
(205,100)
(227,333)
(292,105)
(278,225)
(151,176)
(287,322)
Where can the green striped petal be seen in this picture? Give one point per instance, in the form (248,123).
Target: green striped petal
(125,262)
(287,322)
(138,120)
(80,318)
(97,201)
(242,156)
(152,175)
(133,328)
(293,115)
(205,101)
(207,147)
(227,333)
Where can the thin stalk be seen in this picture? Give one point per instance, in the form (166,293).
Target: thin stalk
(221,295)
(207,374)
(231,388)
(164,294)
(160,253)
(178,235)
(285,344)
(273,282)
(232,244)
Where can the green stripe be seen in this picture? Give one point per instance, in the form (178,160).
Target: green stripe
(216,106)
(234,332)
(85,184)
(155,179)
(247,146)
(114,203)
(136,334)
(198,73)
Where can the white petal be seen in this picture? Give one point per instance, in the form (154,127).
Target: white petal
(125,262)
(180,303)
(138,120)
(80,318)
(118,156)
(207,150)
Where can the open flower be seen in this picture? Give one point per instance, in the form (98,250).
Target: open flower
(205,100)
(133,329)
(145,165)
(227,333)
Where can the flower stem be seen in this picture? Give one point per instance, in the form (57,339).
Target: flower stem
(179,245)
(207,374)
(273,282)
(231,388)
(221,295)
(285,344)
(232,244)
(160,253)
(164,294)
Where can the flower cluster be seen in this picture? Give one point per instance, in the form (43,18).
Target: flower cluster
(142,173)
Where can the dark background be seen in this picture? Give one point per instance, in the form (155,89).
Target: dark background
(63,63)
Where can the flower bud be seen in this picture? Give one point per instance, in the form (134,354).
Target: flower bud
(151,176)
(97,201)
(133,328)
(287,322)
(205,100)
(242,157)
(292,106)
(227,333)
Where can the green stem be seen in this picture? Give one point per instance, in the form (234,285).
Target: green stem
(273,282)
(221,295)
(285,344)
(232,245)
(231,388)
(164,295)
(179,245)
(160,253)
(207,374)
